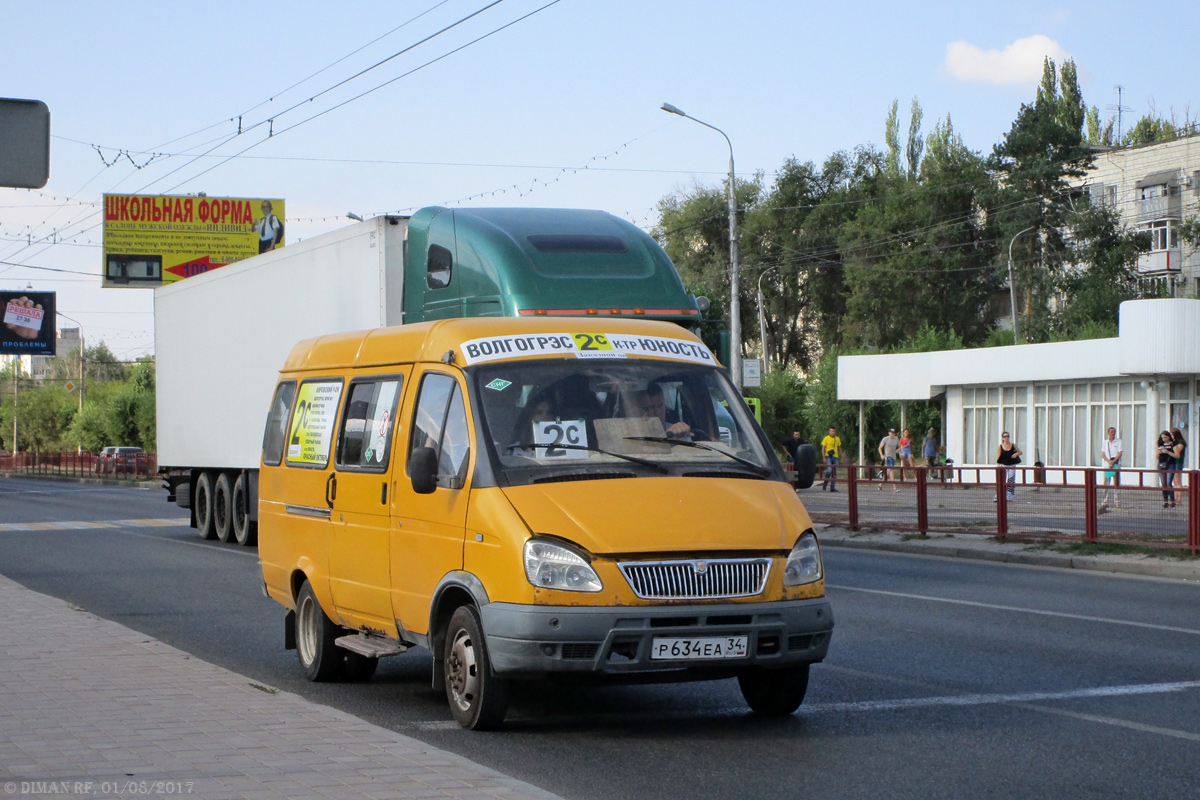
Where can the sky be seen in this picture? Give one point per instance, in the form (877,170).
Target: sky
(387,107)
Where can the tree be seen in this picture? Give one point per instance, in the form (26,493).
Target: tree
(918,253)
(1033,167)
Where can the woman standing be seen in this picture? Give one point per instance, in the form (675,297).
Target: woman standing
(1178,451)
(1008,455)
(1166,455)
(906,452)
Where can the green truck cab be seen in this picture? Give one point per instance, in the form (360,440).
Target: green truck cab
(512,262)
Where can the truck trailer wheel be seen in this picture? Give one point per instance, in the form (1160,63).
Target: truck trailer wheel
(320,658)
(774,692)
(245,530)
(222,512)
(478,699)
(202,504)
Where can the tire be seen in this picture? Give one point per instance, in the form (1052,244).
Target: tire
(202,502)
(478,699)
(774,692)
(320,658)
(245,530)
(358,669)
(222,513)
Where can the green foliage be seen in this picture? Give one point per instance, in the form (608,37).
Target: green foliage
(1149,130)
(1104,275)
(117,410)
(782,396)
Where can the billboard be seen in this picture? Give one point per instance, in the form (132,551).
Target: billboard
(152,240)
(28,328)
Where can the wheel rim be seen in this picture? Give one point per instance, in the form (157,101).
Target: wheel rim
(462,671)
(220,510)
(306,633)
(202,504)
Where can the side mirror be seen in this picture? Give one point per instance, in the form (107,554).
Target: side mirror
(806,466)
(423,467)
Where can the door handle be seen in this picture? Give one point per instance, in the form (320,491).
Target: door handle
(383,494)
(331,489)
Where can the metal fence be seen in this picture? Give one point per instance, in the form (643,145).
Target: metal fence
(128,466)
(1137,507)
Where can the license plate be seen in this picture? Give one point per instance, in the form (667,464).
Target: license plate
(702,647)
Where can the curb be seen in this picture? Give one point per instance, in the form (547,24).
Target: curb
(989,549)
(146,484)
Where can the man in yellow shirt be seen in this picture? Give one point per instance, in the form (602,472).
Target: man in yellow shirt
(831,449)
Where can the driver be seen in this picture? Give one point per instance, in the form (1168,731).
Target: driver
(654,406)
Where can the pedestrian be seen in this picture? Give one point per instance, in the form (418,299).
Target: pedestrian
(1166,455)
(889,447)
(1178,459)
(906,452)
(929,448)
(831,448)
(1008,455)
(1111,450)
(791,445)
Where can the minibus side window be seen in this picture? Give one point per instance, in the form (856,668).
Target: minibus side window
(440,422)
(367,423)
(276,430)
(310,434)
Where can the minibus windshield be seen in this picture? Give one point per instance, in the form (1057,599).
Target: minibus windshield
(578,418)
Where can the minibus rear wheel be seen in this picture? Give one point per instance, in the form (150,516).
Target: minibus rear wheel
(774,692)
(478,699)
(320,658)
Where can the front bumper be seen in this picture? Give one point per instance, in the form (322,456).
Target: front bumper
(530,641)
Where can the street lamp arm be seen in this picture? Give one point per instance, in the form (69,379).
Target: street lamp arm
(1012,285)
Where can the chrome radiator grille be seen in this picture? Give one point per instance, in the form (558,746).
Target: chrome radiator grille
(697,579)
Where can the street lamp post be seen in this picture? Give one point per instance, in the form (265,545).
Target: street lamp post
(762,320)
(735,306)
(1012,285)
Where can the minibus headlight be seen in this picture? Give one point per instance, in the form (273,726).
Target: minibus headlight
(804,562)
(552,566)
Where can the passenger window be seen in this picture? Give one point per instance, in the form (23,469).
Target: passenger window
(438,267)
(310,436)
(276,432)
(441,423)
(366,432)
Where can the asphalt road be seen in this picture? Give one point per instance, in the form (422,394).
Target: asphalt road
(946,678)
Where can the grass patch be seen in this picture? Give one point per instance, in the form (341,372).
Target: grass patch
(1108,548)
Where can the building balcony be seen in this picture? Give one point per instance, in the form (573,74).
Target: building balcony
(1165,207)
(1159,262)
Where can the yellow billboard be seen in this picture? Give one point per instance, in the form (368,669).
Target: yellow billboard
(152,240)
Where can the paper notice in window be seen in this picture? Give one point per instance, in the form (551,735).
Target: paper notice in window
(23,317)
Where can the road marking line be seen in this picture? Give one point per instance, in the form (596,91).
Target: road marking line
(1039,612)
(1016,697)
(85,525)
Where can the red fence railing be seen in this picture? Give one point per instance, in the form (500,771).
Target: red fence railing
(130,466)
(1149,508)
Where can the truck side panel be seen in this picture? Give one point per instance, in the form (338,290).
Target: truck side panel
(220,337)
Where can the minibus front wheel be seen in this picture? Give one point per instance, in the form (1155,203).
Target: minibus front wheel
(774,692)
(478,699)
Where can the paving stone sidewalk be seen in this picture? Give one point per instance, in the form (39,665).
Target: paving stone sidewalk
(90,708)
(989,548)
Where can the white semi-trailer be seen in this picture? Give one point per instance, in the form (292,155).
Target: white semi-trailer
(221,337)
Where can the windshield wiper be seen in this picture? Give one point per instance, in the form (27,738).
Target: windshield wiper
(761,470)
(644,462)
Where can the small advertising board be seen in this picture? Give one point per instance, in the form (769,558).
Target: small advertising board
(153,240)
(28,327)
